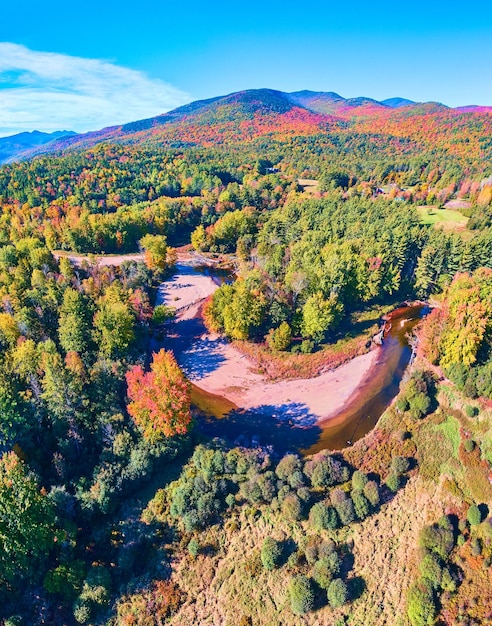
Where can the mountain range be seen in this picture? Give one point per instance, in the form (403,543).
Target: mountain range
(22,145)
(246,115)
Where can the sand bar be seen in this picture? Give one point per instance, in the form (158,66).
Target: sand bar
(216,366)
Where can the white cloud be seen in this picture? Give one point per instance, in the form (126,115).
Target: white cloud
(49,91)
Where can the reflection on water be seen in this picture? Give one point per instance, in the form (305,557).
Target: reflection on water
(373,398)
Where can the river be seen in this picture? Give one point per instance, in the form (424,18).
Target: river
(286,425)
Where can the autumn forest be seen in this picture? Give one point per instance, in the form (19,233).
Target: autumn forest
(116,505)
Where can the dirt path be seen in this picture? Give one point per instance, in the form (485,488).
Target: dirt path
(183,256)
(216,366)
(105,259)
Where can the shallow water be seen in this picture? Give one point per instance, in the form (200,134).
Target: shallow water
(373,398)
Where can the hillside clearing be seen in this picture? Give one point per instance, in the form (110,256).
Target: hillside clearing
(450,219)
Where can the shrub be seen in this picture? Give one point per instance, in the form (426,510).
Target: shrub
(476,546)
(152,605)
(421,607)
(292,508)
(359,480)
(323,517)
(307,346)
(301,595)
(81,612)
(393,482)
(471,411)
(402,404)
(403,435)
(162,313)
(399,464)
(271,551)
(294,560)
(474,515)
(65,580)
(469,445)
(337,593)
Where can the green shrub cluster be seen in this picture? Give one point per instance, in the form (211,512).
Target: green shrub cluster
(436,577)
(418,396)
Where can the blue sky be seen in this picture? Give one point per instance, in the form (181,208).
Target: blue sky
(87,65)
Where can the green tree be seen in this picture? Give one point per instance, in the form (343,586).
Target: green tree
(337,593)
(361,504)
(199,238)
(245,313)
(319,315)
(156,252)
(279,338)
(271,551)
(74,328)
(421,607)
(301,595)
(474,515)
(322,516)
(27,521)
(399,464)
(114,328)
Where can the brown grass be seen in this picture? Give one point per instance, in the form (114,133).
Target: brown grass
(284,365)
(229,587)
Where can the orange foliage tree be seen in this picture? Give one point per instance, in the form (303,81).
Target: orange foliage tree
(159,399)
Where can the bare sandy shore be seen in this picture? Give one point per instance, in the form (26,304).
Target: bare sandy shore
(214,365)
(187,287)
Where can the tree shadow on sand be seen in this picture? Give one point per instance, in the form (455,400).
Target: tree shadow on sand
(286,427)
(202,358)
(197,354)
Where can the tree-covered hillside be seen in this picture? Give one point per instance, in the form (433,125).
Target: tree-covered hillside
(115,508)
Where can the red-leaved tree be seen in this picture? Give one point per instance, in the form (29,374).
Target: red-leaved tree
(159,399)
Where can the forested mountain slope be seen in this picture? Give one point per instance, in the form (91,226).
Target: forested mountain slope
(116,507)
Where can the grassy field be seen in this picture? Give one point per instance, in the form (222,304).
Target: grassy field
(309,186)
(225,582)
(446,218)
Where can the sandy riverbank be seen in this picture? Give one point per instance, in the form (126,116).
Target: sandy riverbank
(185,288)
(216,366)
